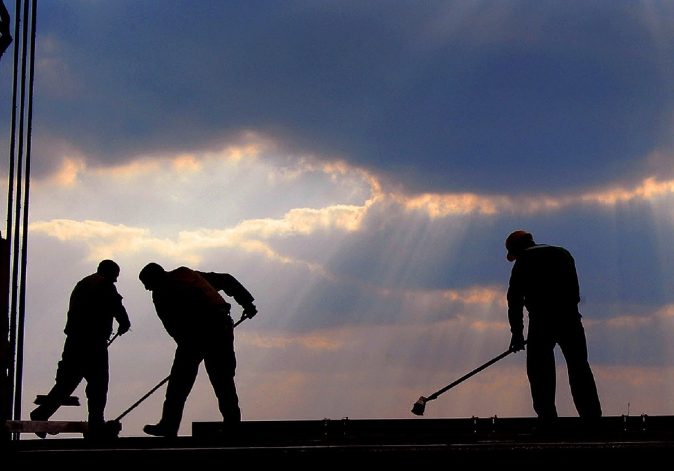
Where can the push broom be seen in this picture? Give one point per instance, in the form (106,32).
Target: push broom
(420,406)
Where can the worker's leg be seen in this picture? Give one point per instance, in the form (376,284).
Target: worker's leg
(183,374)
(220,363)
(542,375)
(581,380)
(69,374)
(97,375)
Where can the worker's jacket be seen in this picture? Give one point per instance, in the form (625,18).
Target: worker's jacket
(188,301)
(545,282)
(94,303)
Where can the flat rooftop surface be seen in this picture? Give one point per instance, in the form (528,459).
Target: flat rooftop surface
(611,440)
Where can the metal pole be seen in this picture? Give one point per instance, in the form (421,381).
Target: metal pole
(24,245)
(19,192)
(10,200)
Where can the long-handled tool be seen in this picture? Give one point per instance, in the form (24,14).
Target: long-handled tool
(420,405)
(115,426)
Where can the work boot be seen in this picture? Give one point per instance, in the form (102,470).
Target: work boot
(96,431)
(112,428)
(160,430)
(36,416)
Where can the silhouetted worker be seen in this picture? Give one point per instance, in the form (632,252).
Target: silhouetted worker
(94,303)
(545,282)
(193,312)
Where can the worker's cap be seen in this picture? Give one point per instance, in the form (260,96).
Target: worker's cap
(515,241)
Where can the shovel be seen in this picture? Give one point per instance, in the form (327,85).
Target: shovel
(420,406)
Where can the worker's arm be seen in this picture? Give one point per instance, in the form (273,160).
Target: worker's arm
(231,286)
(515,300)
(123,322)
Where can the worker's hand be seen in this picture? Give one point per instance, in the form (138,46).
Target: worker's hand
(517,342)
(249,311)
(123,329)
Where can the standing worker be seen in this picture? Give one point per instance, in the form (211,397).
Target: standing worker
(94,303)
(193,312)
(545,282)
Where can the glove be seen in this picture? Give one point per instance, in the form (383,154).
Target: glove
(517,342)
(249,311)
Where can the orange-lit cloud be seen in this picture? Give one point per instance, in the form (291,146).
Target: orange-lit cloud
(438,205)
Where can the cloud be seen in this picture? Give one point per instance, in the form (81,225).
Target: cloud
(510,99)
(107,239)
(373,224)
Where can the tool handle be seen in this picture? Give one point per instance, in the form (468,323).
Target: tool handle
(243,318)
(113,338)
(468,375)
(142,399)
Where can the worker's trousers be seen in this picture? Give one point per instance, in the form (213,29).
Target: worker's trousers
(569,334)
(216,349)
(81,360)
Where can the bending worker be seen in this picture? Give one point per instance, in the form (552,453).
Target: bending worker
(198,318)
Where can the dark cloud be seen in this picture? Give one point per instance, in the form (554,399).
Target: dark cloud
(441,96)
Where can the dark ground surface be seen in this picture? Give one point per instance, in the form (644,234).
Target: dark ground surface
(509,442)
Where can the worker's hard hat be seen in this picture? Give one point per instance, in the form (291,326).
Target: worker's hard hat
(514,242)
